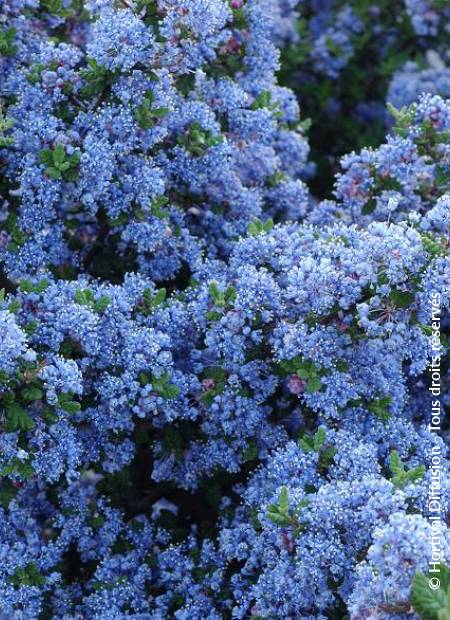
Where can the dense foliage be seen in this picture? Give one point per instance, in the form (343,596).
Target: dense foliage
(214,371)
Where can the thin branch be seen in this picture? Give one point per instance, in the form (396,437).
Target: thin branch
(6,283)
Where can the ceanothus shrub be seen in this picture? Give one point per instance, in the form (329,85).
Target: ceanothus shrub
(150,133)
(305,326)
(203,415)
(429,17)
(219,376)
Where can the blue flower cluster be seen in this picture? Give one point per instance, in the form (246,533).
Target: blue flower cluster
(214,383)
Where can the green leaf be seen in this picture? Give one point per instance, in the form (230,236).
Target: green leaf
(53,6)
(58,154)
(67,404)
(380,407)
(17,419)
(283,500)
(18,467)
(326,457)
(7,38)
(401,299)
(185,83)
(445,577)
(41,286)
(303,373)
(157,207)
(279,513)
(401,477)
(27,576)
(53,173)
(14,306)
(151,300)
(145,114)
(313,385)
(26,286)
(342,366)
(97,79)
(74,159)
(143,117)
(253,229)
(84,297)
(230,295)
(159,298)
(319,439)
(101,304)
(46,157)
(217,373)
(432,246)
(160,112)
(263,100)
(395,463)
(196,139)
(213,315)
(162,386)
(59,164)
(306,443)
(216,294)
(71,174)
(305,125)
(49,416)
(429,604)
(369,207)
(30,328)
(442,176)
(7,493)
(417,473)
(268,225)
(70,406)
(251,451)
(171,391)
(278,519)
(256,227)
(32,393)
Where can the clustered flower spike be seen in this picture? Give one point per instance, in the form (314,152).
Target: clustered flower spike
(214,387)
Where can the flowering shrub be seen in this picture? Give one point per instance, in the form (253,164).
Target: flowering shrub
(278,335)
(214,384)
